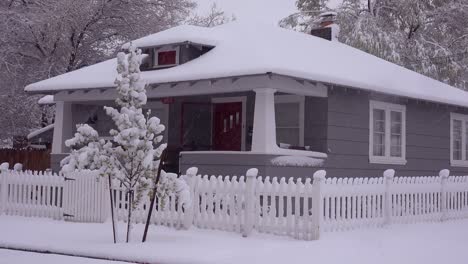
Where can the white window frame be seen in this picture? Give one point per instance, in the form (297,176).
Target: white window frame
(464,161)
(291,98)
(388,108)
(165,49)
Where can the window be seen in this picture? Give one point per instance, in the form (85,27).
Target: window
(459,140)
(289,111)
(387,137)
(165,57)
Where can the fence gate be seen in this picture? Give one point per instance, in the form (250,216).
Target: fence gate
(86,197)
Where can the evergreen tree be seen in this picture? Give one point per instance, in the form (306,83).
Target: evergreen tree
(131,157)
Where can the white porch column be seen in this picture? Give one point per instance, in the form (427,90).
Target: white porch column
(62,127)
(264,126)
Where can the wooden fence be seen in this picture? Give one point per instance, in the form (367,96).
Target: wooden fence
(32,159)
(79,197)
(30,193)
(292,207)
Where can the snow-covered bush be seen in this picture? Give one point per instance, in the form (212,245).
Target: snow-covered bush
(169,184)
(132,156)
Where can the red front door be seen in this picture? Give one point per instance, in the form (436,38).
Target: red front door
(227,126)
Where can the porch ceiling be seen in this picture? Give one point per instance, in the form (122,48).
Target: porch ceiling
(202,87)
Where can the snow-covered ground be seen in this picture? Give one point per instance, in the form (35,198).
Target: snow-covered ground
(14,256)
(428,243)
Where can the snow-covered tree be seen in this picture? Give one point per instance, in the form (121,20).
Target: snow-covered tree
(214,17)
(132,156)
(40,39)
(430,37)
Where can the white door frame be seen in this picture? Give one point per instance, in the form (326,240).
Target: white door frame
(234,99)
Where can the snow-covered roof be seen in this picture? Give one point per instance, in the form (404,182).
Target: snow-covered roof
(246,49)
(39,131)
(46,100)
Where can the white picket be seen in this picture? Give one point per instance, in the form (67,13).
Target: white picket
(280,206)
(27,194)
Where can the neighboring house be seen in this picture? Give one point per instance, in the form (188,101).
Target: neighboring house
(231,95)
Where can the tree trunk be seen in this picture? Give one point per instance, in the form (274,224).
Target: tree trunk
(162,160)
(129,218)
(112,210)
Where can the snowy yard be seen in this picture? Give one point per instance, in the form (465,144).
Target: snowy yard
(14,256)
(415,243)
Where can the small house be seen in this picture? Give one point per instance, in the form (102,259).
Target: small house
(238,96)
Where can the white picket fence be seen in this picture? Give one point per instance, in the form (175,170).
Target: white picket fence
(79,197)
(86,197)
(231,203)
(292,207)
(37,194)
(356,202)
(167,213)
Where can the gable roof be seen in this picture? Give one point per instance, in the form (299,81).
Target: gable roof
(246,49)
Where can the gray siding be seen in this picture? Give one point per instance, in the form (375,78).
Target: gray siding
(427,136)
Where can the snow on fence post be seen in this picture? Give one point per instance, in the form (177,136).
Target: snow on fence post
(317,203)
(249,200)
(388,177)
(192,182)
(443,174)
(3,188)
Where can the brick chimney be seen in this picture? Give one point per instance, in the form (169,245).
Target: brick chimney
(327,28)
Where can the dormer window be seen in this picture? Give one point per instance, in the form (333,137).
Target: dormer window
(166,57)
(170,55)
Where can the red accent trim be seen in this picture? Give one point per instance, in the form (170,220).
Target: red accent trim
(167,57)
(168,100)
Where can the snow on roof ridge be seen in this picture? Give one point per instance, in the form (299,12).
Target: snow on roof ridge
(244,49)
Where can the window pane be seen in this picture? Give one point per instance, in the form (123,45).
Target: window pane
(288,136)
(395,143)
(287,114)
(287,123)
(197,126)
(396,134)
(396,122)
(457,140)
(379,132)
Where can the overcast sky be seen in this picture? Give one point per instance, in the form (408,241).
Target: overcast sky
(269,11)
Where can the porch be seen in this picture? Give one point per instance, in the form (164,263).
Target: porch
(224,125)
